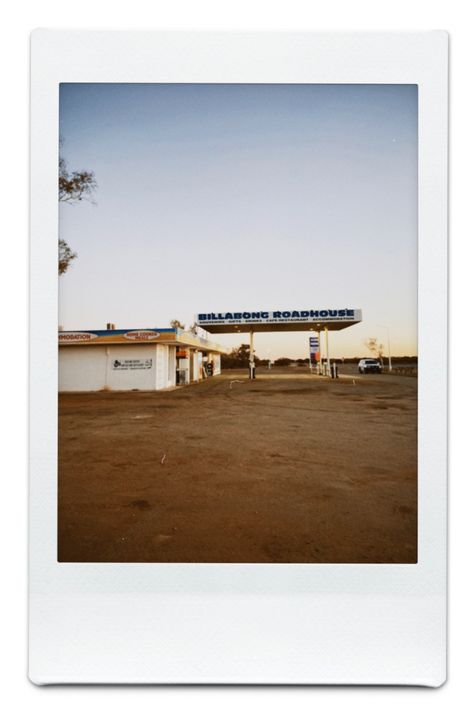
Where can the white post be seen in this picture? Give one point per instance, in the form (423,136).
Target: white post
(328,362)
(251,358)
(319,364)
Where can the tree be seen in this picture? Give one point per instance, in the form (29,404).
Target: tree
(175,323)
(66,255)
(283,361)
(375,348)
(73,187)
(238,357)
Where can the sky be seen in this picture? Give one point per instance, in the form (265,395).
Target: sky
(244,197)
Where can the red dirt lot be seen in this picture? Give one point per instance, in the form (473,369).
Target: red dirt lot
(288,468)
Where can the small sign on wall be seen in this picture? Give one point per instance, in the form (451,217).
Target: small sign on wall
(132,363)
(141,335)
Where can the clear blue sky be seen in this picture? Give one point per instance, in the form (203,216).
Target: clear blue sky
(243,197)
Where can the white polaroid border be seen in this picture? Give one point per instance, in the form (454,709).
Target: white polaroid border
(236,623)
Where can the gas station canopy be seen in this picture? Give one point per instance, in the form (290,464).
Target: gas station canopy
(259,321)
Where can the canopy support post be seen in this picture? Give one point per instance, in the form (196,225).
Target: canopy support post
(328,362)
(251,358)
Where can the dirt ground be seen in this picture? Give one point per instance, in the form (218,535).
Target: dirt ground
(289,468)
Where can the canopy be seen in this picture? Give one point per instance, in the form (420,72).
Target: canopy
(285,320)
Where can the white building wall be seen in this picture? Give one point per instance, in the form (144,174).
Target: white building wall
(114,367)
(81,368)
(171,366)
(196,365)
(217,363)
(122,367)
(132,367)
(161,372)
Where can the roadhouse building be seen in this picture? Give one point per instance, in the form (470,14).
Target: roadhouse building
(138,359)
(157,358)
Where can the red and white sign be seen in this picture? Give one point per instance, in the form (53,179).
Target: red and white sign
(75,336)
(141,335)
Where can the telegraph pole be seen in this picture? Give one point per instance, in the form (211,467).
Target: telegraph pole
(388,345)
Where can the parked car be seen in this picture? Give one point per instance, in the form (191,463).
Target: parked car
(369,365)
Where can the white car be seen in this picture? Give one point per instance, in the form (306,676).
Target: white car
(369,365)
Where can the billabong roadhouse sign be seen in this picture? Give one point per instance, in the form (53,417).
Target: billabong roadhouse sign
(284,320)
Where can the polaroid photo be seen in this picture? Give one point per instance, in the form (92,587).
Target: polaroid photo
(238,358)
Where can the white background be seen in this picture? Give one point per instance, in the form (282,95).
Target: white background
(343,15)
(238,623)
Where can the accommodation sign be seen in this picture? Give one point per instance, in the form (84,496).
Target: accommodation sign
(96,338)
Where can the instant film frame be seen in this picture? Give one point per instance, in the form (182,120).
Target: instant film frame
(239,623)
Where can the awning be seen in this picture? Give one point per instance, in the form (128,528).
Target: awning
(139,336)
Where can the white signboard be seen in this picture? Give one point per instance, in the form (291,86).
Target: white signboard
(132,363)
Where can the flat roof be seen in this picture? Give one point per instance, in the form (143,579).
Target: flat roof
(139,336)
(284,320)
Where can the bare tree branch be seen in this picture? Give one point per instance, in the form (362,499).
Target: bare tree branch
(73,187)
(65,256)
(376,348)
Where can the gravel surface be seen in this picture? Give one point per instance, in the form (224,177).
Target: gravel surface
(288,468)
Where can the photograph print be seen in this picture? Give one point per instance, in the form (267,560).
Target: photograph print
(237,326)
